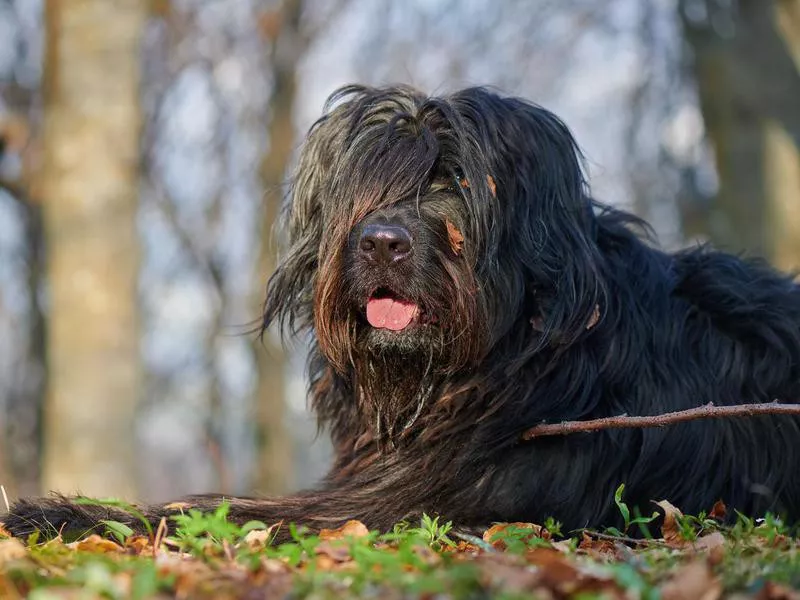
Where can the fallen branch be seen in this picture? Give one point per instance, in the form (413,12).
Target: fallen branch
(624,539)
(708,411)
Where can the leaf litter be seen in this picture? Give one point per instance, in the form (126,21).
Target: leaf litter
(690,557)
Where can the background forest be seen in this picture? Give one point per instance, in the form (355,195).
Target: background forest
(144,150)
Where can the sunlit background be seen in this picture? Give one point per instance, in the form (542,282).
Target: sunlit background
(144,151)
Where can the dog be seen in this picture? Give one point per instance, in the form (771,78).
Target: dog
(461,285)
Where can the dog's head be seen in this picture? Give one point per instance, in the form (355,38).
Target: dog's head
(436,227)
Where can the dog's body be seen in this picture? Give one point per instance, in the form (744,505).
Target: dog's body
(462,287)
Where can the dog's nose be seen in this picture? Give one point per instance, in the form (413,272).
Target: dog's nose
(385,243)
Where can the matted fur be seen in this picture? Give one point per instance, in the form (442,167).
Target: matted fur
(551,308)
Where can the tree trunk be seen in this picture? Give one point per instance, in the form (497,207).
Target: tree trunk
(749,84)
(782,164)
(91,155)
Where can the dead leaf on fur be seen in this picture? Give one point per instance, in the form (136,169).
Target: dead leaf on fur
(455,237)
(694,581)
(492,186)
(354,529)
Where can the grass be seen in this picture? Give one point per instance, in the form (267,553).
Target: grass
(210,557)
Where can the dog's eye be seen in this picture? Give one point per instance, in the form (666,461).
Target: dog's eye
(458,181)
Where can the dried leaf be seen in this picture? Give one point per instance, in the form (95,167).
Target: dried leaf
(669,528)
(258,539)
(719,511)
(11,549)
(556,569)
(492,186)
(139,544)
(97,544)
(354,529)
(710,542)
(455,237)
(596,545)
(181,506)
(775,591)
(336,552)
(493,535)
(694,581)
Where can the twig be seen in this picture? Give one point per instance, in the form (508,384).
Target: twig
(708,411)
(624,539)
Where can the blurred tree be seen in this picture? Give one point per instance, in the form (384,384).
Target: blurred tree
(746,63)
(91,145)
(281,27)
(22,355)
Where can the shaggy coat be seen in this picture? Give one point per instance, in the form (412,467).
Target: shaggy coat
(460,286)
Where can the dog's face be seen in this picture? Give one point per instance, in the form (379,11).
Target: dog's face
(429,229)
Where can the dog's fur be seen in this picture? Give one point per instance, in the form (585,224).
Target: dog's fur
(535,304)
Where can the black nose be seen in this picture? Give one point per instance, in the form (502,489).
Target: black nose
(384,243)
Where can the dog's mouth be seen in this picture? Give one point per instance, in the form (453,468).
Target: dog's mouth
(388,310)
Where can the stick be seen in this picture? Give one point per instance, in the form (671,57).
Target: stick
(708,411)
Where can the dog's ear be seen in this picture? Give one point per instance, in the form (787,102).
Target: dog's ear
(547,228)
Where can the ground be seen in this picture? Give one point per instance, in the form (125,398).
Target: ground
(209,557)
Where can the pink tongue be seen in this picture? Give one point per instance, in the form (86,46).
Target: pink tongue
(388,313)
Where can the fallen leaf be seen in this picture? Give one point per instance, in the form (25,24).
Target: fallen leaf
(561,575)
(350,529)
(775,591)
(11,549)
(556,569)
(493,535)
(669,528)
(506,572)
(181,506)
(718,511)
(257,539)
(455,237)
(694,581)
(709,542)
(97,544)
(594,545)
(336,552)
(4,532)
(138,544)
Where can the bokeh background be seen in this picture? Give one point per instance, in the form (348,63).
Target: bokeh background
(144,152)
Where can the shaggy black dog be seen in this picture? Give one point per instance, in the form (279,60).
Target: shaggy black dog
(461,287)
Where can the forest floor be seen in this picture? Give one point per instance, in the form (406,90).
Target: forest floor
(667,555)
